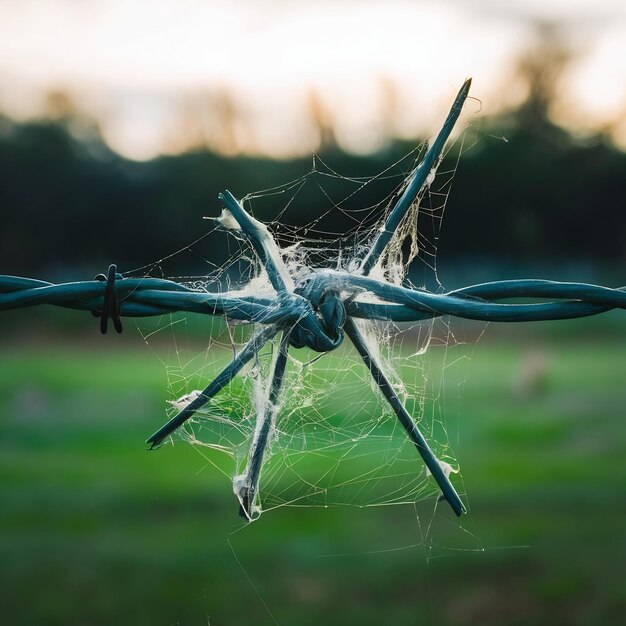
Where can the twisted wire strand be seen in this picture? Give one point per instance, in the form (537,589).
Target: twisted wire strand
(143,297)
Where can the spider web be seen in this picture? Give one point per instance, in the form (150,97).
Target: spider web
(336,441)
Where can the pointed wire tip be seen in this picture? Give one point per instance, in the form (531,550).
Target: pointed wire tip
(154,441)
(226,196)
(463,92)
(465,87)
(460,510)
(245,509)
(458,507)
(223,197)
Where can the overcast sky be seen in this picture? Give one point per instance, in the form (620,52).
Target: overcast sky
(140,65)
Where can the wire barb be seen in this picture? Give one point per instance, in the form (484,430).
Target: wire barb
(410,427)
(250,350)
(110,304)
(416,182)
(247,485)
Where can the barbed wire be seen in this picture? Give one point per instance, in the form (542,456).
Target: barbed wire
(316,311)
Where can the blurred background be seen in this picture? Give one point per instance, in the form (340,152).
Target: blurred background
(120,121)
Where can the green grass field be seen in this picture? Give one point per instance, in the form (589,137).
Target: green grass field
(95,530)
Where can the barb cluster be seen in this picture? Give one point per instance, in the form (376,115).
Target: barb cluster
(317,311)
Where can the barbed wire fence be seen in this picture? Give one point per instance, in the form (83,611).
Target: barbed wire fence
(317,308)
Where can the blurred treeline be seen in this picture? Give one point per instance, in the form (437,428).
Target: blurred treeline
(526,195)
